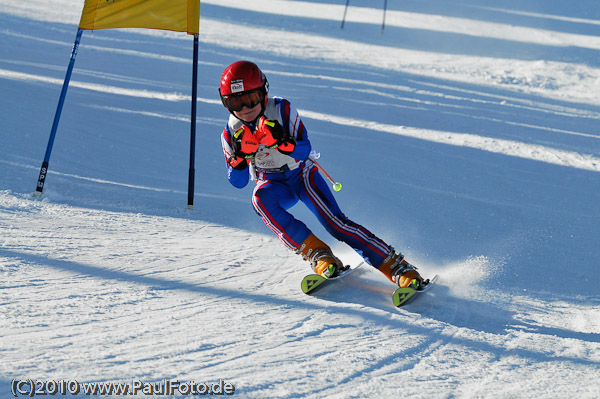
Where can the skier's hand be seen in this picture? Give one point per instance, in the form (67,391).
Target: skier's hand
(245,145)
(237,162)
(244,142)
(271,134)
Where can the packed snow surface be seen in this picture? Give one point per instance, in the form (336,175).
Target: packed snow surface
(465,133)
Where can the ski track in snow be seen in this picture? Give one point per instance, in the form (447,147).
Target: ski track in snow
(481,167)
(99,285)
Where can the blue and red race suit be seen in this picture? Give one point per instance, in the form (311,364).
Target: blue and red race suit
(282,180)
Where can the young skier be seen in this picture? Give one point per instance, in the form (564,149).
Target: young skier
(266,140)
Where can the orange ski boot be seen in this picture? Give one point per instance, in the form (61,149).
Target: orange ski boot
(400,272)
(320,257)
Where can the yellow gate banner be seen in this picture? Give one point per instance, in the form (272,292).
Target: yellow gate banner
(176,15)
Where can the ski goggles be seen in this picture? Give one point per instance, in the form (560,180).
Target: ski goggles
(236,102)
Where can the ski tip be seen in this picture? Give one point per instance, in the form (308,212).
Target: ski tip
(429,283)
(425,282)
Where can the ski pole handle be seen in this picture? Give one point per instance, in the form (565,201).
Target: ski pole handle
(337,186)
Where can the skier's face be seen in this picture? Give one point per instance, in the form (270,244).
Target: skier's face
(248,114)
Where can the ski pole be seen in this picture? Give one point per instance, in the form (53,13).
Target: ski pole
(337,186)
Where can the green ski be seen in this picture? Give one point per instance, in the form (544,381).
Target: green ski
(311,282)
(404,294)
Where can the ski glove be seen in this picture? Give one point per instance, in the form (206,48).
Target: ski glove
(245,145)
(271,134)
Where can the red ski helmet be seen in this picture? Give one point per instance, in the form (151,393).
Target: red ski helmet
(243,83)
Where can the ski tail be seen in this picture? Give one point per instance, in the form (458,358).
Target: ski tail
(402,295)
(313,281)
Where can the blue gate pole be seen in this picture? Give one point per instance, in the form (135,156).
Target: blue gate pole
(345,10)
(192,171)
(384,10)
(61,101)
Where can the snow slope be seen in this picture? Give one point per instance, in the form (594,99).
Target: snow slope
(466,135)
